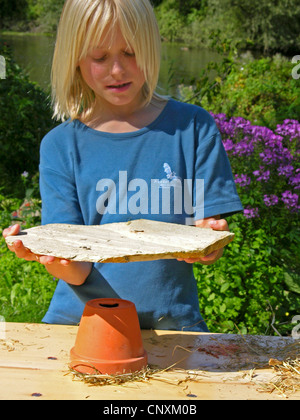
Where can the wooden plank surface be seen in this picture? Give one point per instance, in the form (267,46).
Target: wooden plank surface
(138,240)
(34,365)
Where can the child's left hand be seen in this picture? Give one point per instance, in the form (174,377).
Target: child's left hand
(214,223)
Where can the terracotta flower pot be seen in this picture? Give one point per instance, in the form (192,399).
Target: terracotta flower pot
(109,339)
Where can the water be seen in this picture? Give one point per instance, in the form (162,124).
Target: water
(34,54)
(178,65)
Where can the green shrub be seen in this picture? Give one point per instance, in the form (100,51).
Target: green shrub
(262,91)
(25,117)
(247,287)
(255,287)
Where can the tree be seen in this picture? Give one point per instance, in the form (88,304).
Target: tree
(186,6)
(268,25)
(11,10)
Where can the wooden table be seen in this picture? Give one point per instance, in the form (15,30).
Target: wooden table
(34,365)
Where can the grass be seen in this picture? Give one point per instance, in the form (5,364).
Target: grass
(26,288)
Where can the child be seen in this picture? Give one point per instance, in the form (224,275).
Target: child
(126,153)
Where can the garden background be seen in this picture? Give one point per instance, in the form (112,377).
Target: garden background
(255,287)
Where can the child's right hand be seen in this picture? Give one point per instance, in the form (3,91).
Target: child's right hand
(21,252)
(73,272)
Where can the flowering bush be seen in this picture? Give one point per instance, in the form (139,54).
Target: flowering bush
(258,279)
(265,164)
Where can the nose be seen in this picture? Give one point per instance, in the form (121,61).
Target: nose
(117,67)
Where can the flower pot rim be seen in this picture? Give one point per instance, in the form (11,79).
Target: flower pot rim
(106,366)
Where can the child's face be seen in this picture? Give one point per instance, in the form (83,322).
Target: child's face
(111,71)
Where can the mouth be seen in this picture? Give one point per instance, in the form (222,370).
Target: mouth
(119,86)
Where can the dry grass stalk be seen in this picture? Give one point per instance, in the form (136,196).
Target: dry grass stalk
(144,375)
(287,379)
(100,379)
(287,371)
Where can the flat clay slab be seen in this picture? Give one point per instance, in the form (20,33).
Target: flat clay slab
(138,240)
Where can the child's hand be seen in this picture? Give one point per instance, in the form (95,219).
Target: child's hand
(217,224)
(21,252)
(73,272)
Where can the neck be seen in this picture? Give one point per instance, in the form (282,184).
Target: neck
(123,119)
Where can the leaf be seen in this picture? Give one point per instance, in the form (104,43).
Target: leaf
(14,292)
(224,287)
(211,297)
(223,308)
(292,280)
(229,325)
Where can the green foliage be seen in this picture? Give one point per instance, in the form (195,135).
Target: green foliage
(179,20)
(247,286)
(26,288)
(170,21)
(255,287)
(46,13)
(25,118)
(262,91)
(26,15)
(265,25)
(261,25)
(10,11)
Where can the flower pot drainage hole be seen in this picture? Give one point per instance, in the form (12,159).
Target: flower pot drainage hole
(109,305)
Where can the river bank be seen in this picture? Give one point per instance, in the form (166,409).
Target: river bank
(179,65)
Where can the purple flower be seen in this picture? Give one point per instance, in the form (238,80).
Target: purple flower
(286,170)
(271,153)
(228,145)
(219,117)
(244,148)
(251,213)
(295,180)
(270,200)
(276,154)
(259,133)
(243,180)
(289,128)
(290,200)
(262,175)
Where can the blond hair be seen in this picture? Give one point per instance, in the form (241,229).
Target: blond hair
(82,25)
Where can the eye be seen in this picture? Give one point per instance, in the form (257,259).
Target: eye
(100,59)
(129,53)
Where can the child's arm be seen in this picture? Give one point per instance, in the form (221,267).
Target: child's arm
(72,272)
(217,224)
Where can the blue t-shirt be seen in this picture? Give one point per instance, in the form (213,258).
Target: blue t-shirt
(174,170)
